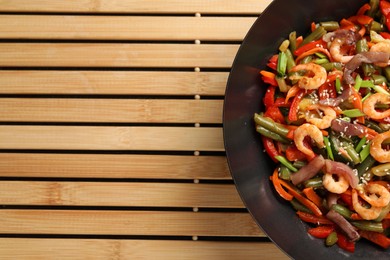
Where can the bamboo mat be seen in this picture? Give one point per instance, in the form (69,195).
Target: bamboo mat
(111,130)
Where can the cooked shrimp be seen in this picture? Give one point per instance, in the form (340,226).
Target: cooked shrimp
(366,213)
(371,101)
(383,46)
(335,183)
(323,122)
(335,51)
(308,130)
(376,149)
(375,194)
(314,77)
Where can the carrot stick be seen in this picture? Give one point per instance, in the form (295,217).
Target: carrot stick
(267,74)
(312,51)
(309,204)
(313,196)
(278,187)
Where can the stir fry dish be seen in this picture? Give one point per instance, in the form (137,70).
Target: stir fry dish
(326,124)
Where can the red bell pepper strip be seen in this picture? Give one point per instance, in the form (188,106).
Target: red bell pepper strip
(385,10)
(327,90)
(293,154)
(311,45)
(273,62)
(377,238)
(274,113)
(268,77)
(364,19)
(321,231)
(385,35)
(270,148)
(364,9)
(344,243)
(310,218)
(269,97)
(293,113)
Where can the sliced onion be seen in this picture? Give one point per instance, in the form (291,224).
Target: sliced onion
(331,199)
(347,227)
(347,128)
(308,171)
(343,170)
(364,57)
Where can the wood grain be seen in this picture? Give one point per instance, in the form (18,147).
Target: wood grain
(122,166)
(110,110)
(112,82)
(111,138)
(136,6)
(93,222)
(132,194)
(117,55)
(102,249)
(138,28)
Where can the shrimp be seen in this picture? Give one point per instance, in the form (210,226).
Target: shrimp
(376,149)
(335,183)
(371,101)
(308,130)
(375,194)
(325,121)
(383,46)
(366,213)
(335,51)
(314,77)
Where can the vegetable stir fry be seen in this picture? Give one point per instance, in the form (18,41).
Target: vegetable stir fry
(326,124)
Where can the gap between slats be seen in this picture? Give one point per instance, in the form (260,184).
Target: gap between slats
(113,166)
(78,249)
(136,6)
(139,28)
(152,223)
(116,55)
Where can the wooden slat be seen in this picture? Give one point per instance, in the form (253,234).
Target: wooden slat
(119,194)
(123,27)
(117,55)
(92,222)
(78,249)
(136,6)
(111,110)
(111,138)
(123,166)
(112,82)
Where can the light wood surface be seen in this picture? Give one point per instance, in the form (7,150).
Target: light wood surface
(111,143)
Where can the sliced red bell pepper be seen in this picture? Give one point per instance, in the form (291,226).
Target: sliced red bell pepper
(385,10)
(311,45)
(310,218)
(344,243)
(273,62)
(293,154)
(274,113)
(327,90)
(293,113)
(269,97)
(377,238)
(364,9)
(270,148)
(385,35)
(364,19)
(321,231)
(268,77)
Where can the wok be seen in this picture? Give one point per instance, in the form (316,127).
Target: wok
(249,165)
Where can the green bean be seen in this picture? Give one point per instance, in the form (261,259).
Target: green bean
(343,211)
(358,82)
(331,239)
(374,5)
(353,112)
(375,26)
(368,69)
(381,170)
(285,172)
(330,26)
(338,86)
(365,151)
(361,45)
(332,65)
(386,72)
(314,35)
(290,59)
(293,41)
(299,164)
(282,64)
(286,163)
(383,214)
(315,182)
(299,206)
(271,125)
(359,146)
(368,225)
(328,148)
(270,134)
(373,126)
(365,165)
(351,152)
(378,79)
(283,87)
